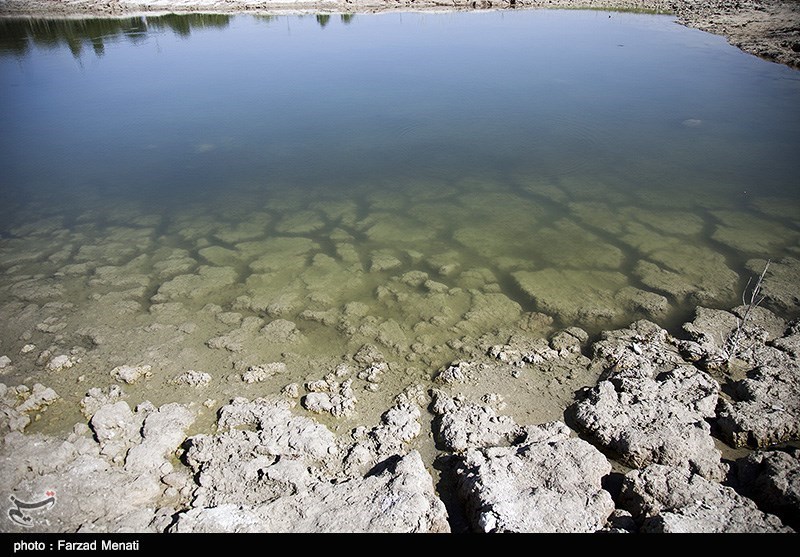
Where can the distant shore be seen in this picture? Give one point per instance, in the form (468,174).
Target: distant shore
(769,29)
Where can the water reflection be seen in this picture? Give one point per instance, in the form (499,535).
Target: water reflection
(17,35)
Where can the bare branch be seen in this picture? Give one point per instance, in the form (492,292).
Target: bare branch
(735,338)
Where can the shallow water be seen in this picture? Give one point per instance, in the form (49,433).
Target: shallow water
(213,193)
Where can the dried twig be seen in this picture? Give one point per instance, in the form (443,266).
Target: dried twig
(755,300)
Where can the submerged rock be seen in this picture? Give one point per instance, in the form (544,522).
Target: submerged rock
(750,234)
(383,260)
(236,339)
(487,312)
(38,290)
(281,331)
(220,256)
(673,268)
(574,296)
(252,228)
(780,283)
(205,281)
(393,228)
(643,303)
(300,222)
(569,245)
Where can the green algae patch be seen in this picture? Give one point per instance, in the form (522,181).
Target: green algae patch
(572,295)
(569,245)
(206,281)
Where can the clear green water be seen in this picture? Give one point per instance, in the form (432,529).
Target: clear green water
(218,192)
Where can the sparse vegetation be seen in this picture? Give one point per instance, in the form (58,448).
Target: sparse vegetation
(755,298)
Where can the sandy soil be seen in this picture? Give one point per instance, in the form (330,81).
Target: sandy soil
(767,28)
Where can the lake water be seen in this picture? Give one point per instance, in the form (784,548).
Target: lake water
(218,193)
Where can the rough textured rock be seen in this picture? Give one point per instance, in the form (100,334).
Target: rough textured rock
(116,428)
(667,499)
(766,28)
(163,431)
(60,362)
(717,337)
(16,403)
(550,483)
(268,470)
(399,425)
(710,332)
(264,451)
(99,490)
(462,425)
(561,356)
(758,353)
(648,407)
(399,498)
(192,378)
(790,341)
(231,466)
(254,374)
(331,396)
(96,398)
(131,374)
(765,408)
(772,480)
(643,349)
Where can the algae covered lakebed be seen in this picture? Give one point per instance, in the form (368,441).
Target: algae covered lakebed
(196,208)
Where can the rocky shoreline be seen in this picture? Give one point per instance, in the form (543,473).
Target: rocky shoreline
(638,429)
(639,450)
(766,28)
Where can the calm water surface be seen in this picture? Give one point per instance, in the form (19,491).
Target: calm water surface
(216,192)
